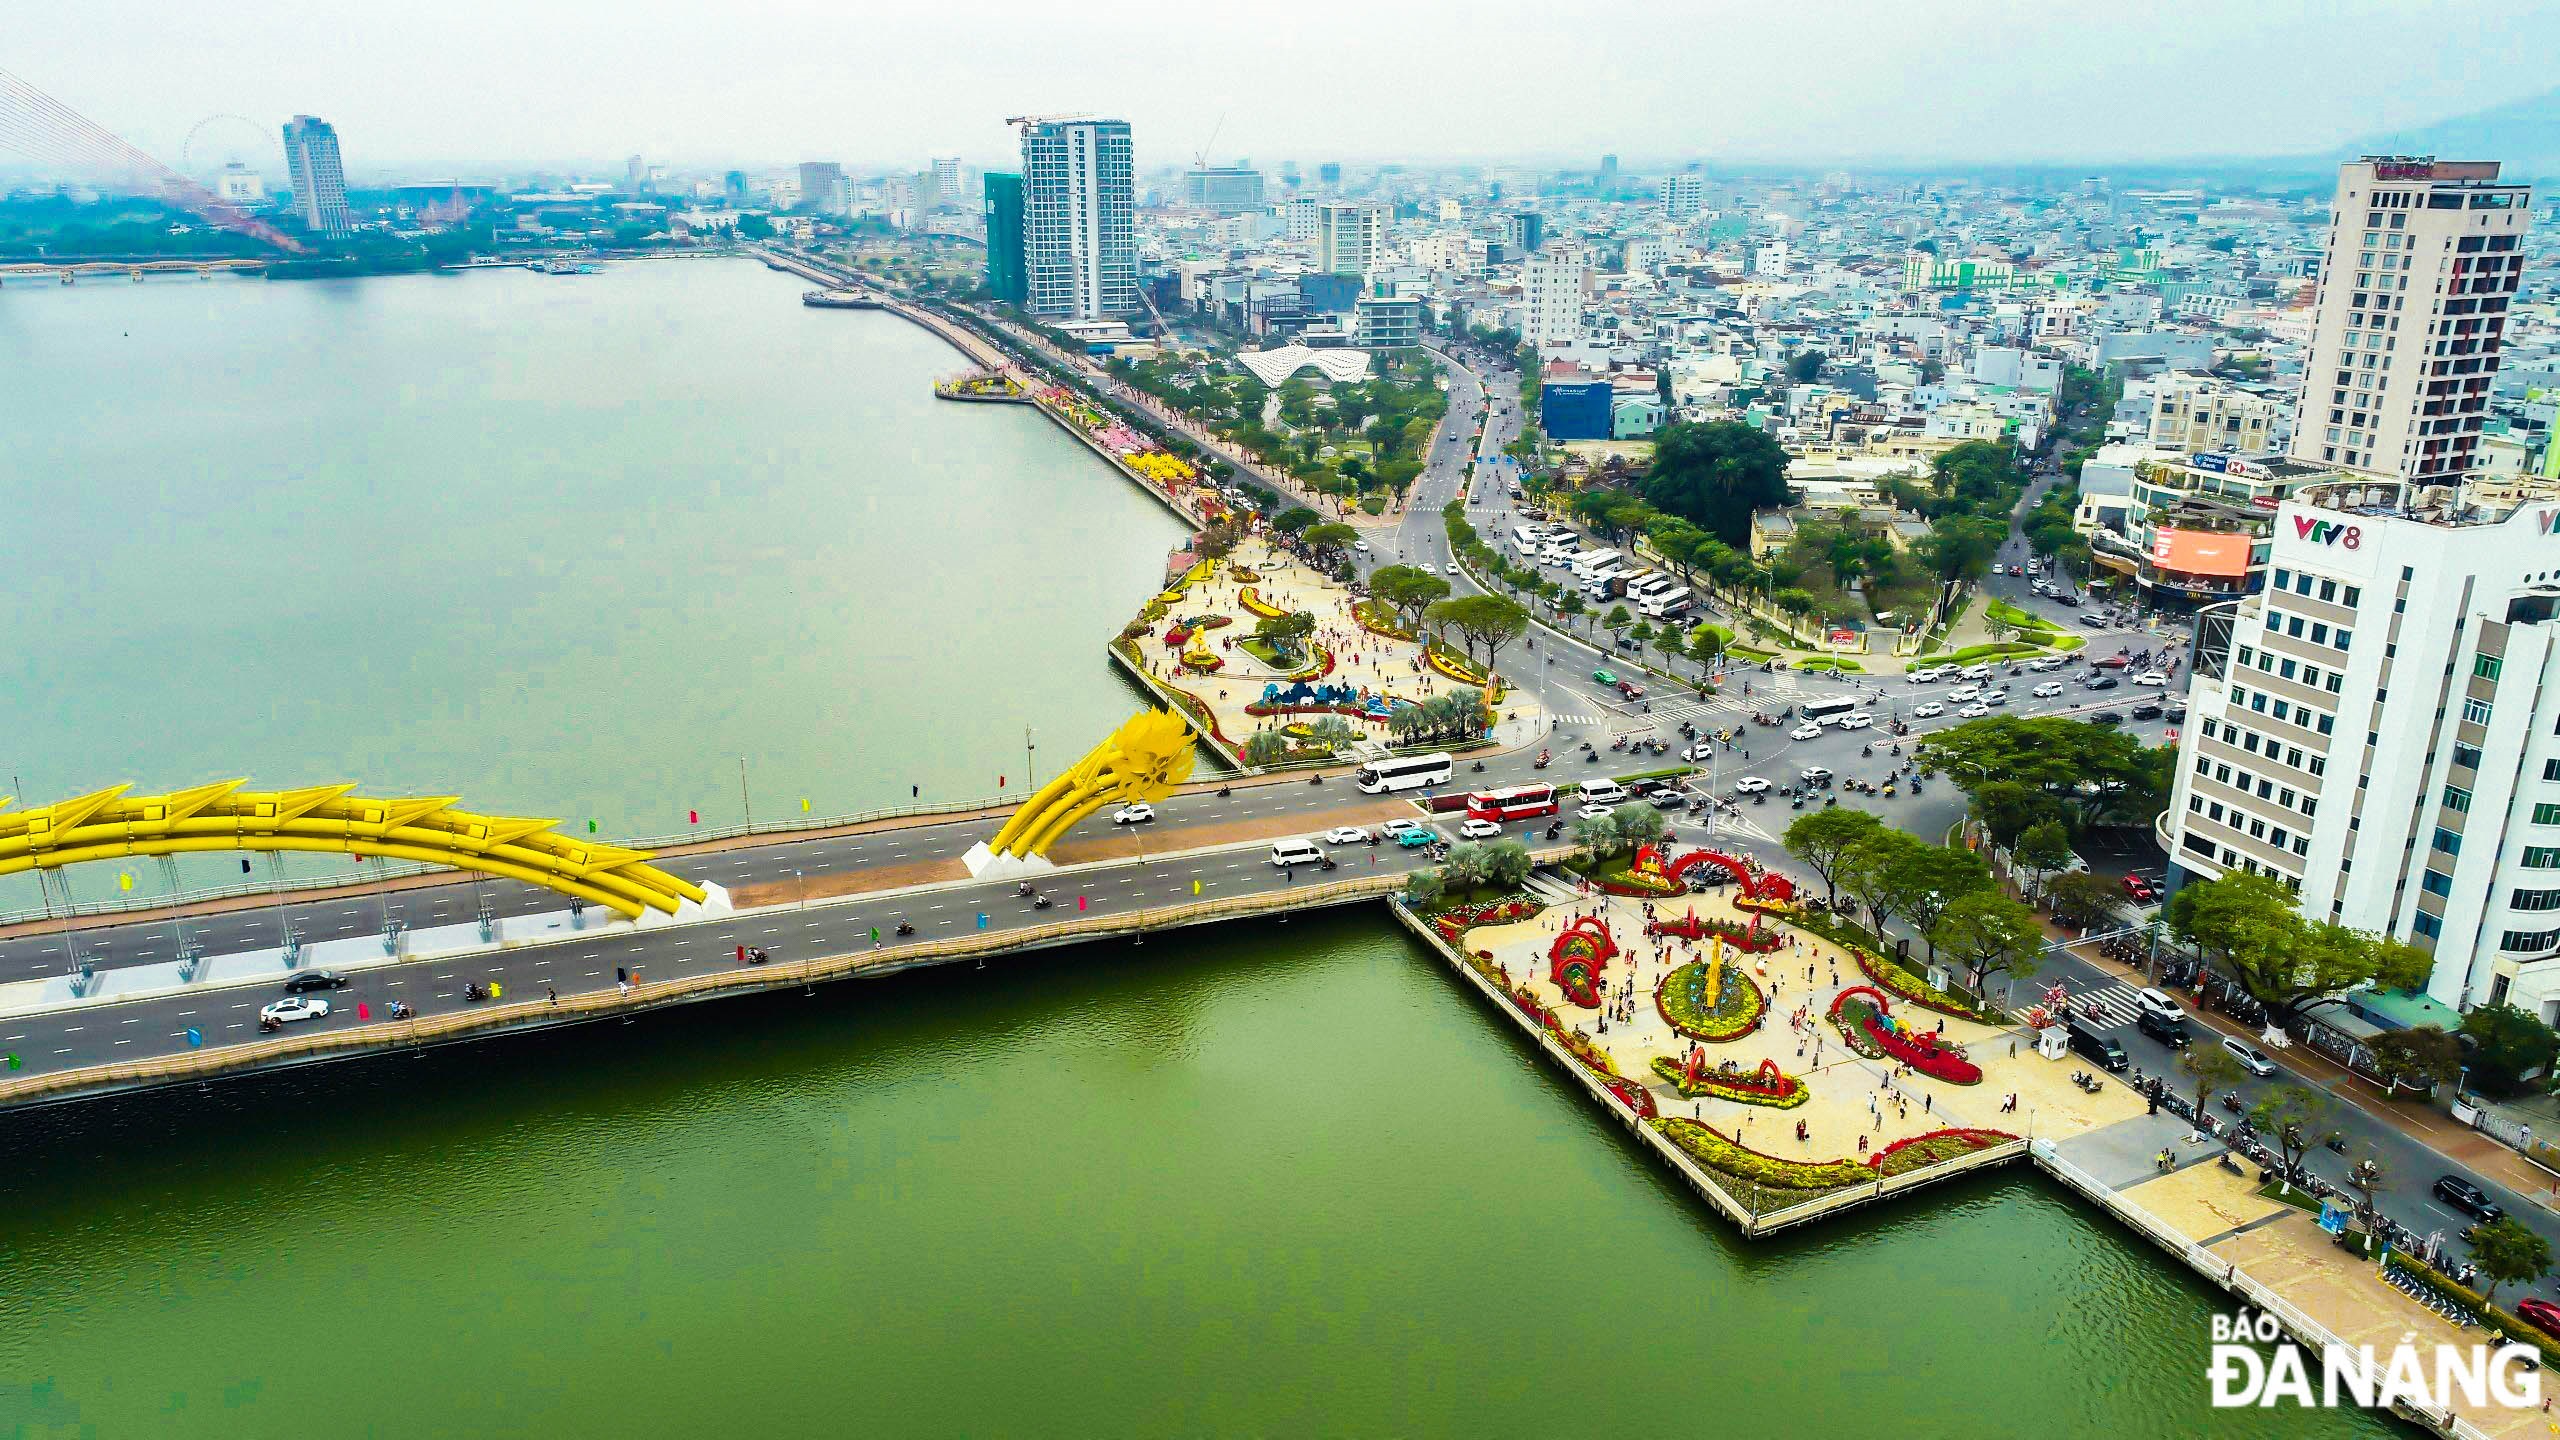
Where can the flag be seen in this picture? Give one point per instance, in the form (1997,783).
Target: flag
(875,934)
(194,1037)
(804,804)
(742,959)
(999,782)
(13,1059)
(244,864)
(123,881)
(1195,887)
(982,924)
(591,827)
(693,817)
(1079,902)
(363,1011)
(496,990)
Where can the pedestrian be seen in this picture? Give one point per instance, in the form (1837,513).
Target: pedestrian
(554,994)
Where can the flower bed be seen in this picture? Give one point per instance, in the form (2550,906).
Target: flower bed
(1765,1086)
(1618,879)
(1795,1180)
(1202,662)
(1251,599)
(1750,939)
(1848,1015)
(1885,974)
(1577,958)
(1462,671)
(1377,619)
(1453,923)
(1681,999)
(1919,1152)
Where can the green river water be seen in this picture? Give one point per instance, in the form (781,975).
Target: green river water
(1276,1178)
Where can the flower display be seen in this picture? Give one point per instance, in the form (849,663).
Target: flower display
(1251,599)
(1866,1021)
(1767,1085)
(1919,1152)
(1736,1010)
(1577,958)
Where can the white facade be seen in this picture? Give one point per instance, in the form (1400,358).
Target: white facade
(1684,195)
(1079,235)
(1347,236)
(319,176)
(2422,260)
(1299,215)
(2383,733)
(1554,310)
(946,181)
(2198,412)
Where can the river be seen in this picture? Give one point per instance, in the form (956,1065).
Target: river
(566,544)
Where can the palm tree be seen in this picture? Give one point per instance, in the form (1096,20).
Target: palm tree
(1596,834)
(1333,732)
(1407,721)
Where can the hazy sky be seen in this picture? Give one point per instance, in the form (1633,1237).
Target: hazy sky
(476,86)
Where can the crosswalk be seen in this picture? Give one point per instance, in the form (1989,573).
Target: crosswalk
(2114,1001)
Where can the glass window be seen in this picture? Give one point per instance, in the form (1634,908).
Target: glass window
(2425,924)
(2436,882)
(2447,841)
(2485,666)
(2541,857)
(2476,711)
(2467,756)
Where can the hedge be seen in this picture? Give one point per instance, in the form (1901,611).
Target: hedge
(1839,663)
(1717,1153)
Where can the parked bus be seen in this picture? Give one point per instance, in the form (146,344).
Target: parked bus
(1517,802)
(1651,582)
(1823,712)
(1592,562)
(1525,541)
(1663,604)
(1408,772)
(1557,550)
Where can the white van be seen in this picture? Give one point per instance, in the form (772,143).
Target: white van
(1287,853)
(1603,792)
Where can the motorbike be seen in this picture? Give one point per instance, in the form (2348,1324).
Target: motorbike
(1540,763)
(475,991)
(1554,829)
(1225,790)
(1866,752)
(906,927)
(269,1024)
(1041,902)
(2231,1101)
(1315,779)
(1477,767)
(756,955)
(1590,755)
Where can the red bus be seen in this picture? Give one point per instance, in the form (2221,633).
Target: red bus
(1518,802)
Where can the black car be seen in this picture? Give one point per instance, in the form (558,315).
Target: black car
(310,980)
(2102,682)
(2468,1198)
(2148,710)
(2107,717)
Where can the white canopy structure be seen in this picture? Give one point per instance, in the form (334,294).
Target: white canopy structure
(1271,367)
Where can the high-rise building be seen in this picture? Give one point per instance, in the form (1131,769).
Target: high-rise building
(946,180)
(1554,285)
(1526,231)
(1347,236)
(1684,195)
(1005,273)
(2379,727)
(2422,261)
(239,185)
(734,185)
(1226,189)
(1079,217)
(1329,175)
(1299,218)
(319,176)
(822,186)
(1608,174)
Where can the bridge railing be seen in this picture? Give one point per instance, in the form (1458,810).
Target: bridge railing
(458,1024)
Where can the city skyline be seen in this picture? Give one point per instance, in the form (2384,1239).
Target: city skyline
(1733,87)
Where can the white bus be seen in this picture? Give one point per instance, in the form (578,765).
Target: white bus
(1409,772)
(1662,604)
(1592,562)
(1557,549)
(1825,712)
(1525,542)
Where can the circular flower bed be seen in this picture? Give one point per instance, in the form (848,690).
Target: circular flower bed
(1861,1014)
(1682,1000)
(1849,1015)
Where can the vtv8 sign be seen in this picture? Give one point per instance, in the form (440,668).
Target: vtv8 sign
(2328,532)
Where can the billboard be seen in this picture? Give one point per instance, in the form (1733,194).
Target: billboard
(2201,552)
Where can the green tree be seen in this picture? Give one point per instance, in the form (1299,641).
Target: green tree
(1706,645)
(1875,869)
(1488,622)
(1597,835)
(2509,1252)
(1466,867)
(1931,878)
(1805,366)
(1264,747)
(2419,1057)
(2510,1048)
(1329,537)
(2081,898)
(1618,617)
(1507,864)
(1294,519)
(1423,891)
(1407,590)
(2008,809)
(2043,850)
(1714,474)
(1988,933)
(1640,825)
(2295,1115)
(1284,632)
(1823,838)
(2212,1068)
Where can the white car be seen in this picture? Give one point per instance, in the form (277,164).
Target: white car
(2150,677)
(1806,731)
(2251,1058)
(1976,672)
(1962,693)
(2047,690)
(1974,711)
(1474,829)
(1928,675)
(1855,720)
(1346,835)
(1360,545)
(2045,662)
(1699,753)
(1749,785)
(1394,828)
(1139,814)
(1926,709)
(1595,811)
(1996,697)
(1813,774)
(295,1007)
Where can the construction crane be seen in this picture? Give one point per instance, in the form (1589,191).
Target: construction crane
(1200,157)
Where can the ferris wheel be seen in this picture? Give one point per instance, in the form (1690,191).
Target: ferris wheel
(219,140)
